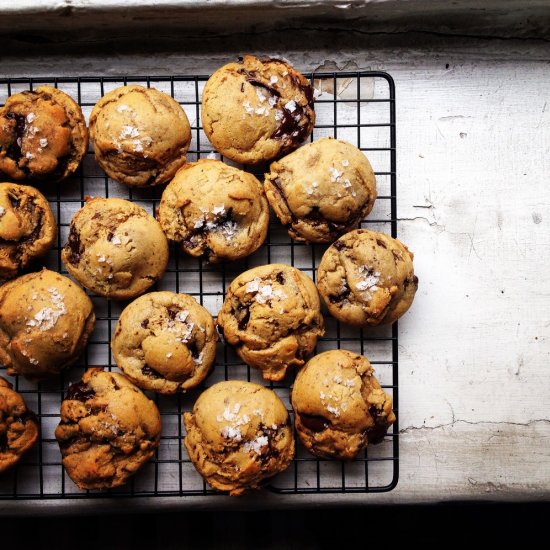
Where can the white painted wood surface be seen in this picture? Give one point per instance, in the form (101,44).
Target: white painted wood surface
(473,128)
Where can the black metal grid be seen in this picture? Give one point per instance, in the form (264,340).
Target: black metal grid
(356,106)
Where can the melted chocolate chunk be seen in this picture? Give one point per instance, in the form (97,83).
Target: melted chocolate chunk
(148,371)
(75,246)
(14,201)
(259,84)
(192,347)
(14,150)
(243,316)
(339,245)
(415,281)
(335,298)
(280,278)
(110,236)
(377,433)
(381,243)
(3,442)
(80,391)
(145,323)
(315,423)
(171,313)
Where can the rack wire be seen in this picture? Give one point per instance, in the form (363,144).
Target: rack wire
(356,106)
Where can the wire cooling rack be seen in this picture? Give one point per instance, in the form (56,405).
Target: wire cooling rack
(358,107)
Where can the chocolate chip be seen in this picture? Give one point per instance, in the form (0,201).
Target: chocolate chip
(145,323)
(192,347)
(396,256)
(14,201)
(339,245)
(3,442)
(381,243)
(80,391)
(340,297)
(315,423)
(148,371)
(14,150)
(75,246)
(243,316)
(171,313)
(415,281)
(280,278)
(378,432)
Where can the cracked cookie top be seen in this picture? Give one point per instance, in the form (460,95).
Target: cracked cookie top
(238,435)
(115,248)
(43,135)
(339,406)
(215,211)
(45,321)
(322,190)
(108,430)
(18,426)
(27,228)
(271,315)
(367,278)
(165,342)
(140,135)
(257,109)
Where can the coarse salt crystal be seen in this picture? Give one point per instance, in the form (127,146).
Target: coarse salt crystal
(100,257)
(218,210)
(248,108)
(2,211)
(30,117)
(28,155)
(345,163)
(261,111)
(273,79)
(257,444)
(43,142)
(198,360)
(230,432)
(290,105)
(272,101)
(314,184)
(335,174)
(138,146)
(279,116)
(116,240)
(260,95)
(254,285)
(122,108)
(168,355)
(181,316)
(347,183)
(333,410)
(129,132)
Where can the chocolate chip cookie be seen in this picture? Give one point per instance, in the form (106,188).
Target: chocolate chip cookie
(27,228)
(271,314)
(367,278)
(45,321)
(257,109)
(43,135)
(108,430)
(215,211)
(339,406)
(18,426)
(115,248)
(140,135)
(322,190)
(165,342)
(238,436)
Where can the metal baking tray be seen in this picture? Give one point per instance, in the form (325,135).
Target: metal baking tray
(356,106)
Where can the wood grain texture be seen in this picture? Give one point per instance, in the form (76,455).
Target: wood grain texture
(473,130)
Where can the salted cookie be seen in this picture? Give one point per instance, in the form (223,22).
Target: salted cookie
(108,430)
(367,278)
(271,314)
(43,135)
(238,436)
(45,321)
(18,426)
(165,342)
(215,211)
(257,109)
(322,190)
(140,135)
(115,248)
(339,406)
(27,228)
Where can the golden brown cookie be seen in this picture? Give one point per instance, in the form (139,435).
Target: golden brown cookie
(45,321)
(271,314)
(140,135)
(108,430)
(165,342)
(18,426)
(257,109)
(339,406)
(238,436)
(43,135)
(215,211)
(115,248)
(367,278)
(322,190)
(27,228)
